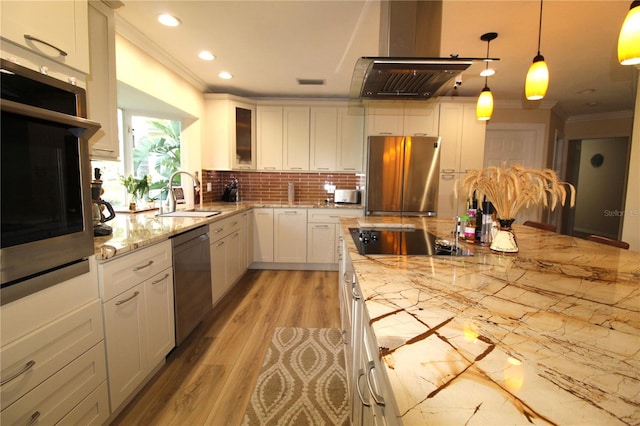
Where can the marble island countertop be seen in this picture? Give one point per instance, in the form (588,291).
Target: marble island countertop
(550,335)
(132,231)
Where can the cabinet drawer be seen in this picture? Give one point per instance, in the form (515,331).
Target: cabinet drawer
(41,353)
(122,273)
(58,395)
(332,215)
(93,410)
(224,227)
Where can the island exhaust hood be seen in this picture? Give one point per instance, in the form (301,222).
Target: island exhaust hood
(410,37)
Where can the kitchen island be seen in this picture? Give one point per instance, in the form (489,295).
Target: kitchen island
(550,335)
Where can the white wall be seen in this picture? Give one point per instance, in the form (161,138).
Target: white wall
(631,221)
(141,72)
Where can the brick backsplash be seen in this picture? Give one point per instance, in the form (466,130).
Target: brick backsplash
(272,186)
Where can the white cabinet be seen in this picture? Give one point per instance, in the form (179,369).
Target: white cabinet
(101,82)
(269,129)
(138,307)
(56,30)
(323,231)
(403,119)
(290,235)
(227,263)
(263,233)
(323,138)
(229,137)
(52,352)
(462,149)
(350,139)
(295,147)
(247,239)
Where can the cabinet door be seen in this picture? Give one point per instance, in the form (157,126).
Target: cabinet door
(63,24)
(269,128)
(321,243)
(243,123)
(263,235)
(125,336)
(161,337)
(421,120)
(233,259)
(350,139)
(385,121)
(101,83)
(248,239)
(295,149)
(473,137)
(324,138)
(218,253)
(290,236)
(450,130)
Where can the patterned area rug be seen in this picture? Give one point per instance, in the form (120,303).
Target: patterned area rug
(302,381)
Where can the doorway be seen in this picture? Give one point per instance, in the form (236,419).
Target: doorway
(598,168)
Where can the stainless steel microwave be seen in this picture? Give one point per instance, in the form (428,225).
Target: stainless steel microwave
(45,211)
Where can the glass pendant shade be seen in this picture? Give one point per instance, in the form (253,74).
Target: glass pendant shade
(537,80)
(629,39)
(484,107)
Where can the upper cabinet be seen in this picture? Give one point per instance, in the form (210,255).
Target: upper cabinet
(101,82)
(463,137)
(403,119)
(229,138)
(269,129)
(56,30)
(295,147)
(323,139)
(350,139)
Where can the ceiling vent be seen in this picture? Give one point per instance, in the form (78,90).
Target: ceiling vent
(310,82)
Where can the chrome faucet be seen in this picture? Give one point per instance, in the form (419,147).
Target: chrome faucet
(171,197)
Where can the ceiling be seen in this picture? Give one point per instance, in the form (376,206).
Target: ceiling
(267,45)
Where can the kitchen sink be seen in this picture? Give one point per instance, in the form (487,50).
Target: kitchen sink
(191,213)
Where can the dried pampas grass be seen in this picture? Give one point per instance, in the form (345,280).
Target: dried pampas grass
(510,189)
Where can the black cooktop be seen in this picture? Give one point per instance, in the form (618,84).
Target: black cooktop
(406,241)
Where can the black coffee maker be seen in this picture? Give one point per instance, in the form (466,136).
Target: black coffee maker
(97,203)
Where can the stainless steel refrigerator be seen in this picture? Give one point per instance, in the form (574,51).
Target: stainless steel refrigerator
(403,175)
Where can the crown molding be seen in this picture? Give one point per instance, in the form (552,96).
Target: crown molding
(601,116)
(129,32)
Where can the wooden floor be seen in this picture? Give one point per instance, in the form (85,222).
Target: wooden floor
(209,379)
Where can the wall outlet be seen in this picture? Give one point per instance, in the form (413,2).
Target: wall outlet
(208,186)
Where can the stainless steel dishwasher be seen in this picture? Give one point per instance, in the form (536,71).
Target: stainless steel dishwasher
(192,280)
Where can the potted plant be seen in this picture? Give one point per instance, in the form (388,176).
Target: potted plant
(510,189)
(136,188)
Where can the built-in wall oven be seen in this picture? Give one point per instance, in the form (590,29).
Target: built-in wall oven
(45,224)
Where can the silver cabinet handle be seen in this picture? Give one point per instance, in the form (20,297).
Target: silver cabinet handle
(290,212)
(376,397)
(420,134)
(234,223)
(103,149)
(360,374)
(217,231)
(322,168)
(385,133)
(28,366)
(355,295)
(320,226)
(295,168)
(138,268)
(32,38)
(34,418)
(348,168)
(448,170)
(160,280)
(120,302)
(221,243)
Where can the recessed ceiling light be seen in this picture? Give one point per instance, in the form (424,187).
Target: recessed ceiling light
(168,20)
(205,55)
(225,75)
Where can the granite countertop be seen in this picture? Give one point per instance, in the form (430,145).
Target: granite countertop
(132,231)
(550,335)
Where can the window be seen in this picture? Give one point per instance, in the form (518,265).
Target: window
(149,146)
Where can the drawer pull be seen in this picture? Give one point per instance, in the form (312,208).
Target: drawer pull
(361,373)
(160,280)
(32,38)
(376,397)
(217,231)
(234,223)
(138,268)
(34,418)
(221,243)
(448,170)
(290,212)
(135,294)
(28,366)
(349,168)
(103,149)
(355,295)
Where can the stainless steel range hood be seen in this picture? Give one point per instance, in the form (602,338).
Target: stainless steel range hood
(409,66)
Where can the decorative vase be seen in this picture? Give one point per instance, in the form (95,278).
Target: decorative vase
(504,240)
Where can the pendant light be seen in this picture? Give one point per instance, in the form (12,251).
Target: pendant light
(484,107)
(629,39)
(537,80)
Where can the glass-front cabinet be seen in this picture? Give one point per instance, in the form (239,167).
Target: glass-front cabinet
(229,138)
